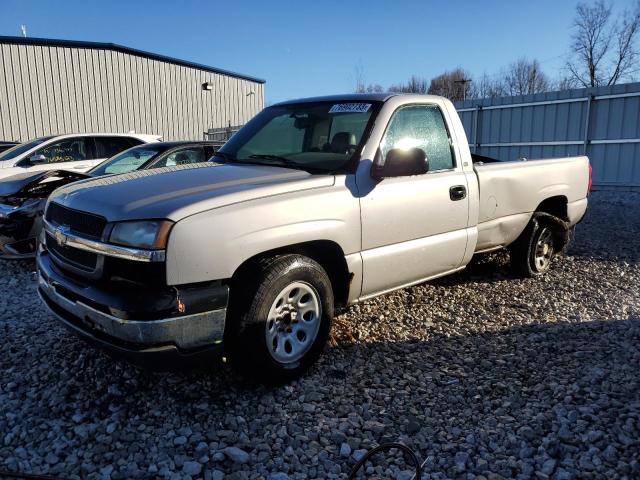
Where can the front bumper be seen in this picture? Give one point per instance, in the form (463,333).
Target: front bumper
(19,228)
(141,325)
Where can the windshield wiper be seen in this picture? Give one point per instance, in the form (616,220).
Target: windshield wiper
(278,158)
(275,158)
(287,162)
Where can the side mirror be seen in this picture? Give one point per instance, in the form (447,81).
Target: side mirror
(401,163)
(37,159)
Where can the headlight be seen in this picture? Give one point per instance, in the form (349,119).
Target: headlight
(151,234)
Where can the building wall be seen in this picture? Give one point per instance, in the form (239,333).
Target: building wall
(54,89)
(603,123)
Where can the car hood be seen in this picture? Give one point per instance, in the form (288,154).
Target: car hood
(180,191)
(20,183)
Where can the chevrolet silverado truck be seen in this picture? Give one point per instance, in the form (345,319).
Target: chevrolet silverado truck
(315,204)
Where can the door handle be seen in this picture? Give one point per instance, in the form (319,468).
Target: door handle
(80,167)
(457,192)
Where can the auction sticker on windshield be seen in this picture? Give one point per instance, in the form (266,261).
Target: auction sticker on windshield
(350,107)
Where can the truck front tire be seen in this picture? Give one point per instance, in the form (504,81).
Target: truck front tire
(280,317)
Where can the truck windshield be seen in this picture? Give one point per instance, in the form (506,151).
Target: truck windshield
(317,137)
(13,152)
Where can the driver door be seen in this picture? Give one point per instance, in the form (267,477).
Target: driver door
(414,227)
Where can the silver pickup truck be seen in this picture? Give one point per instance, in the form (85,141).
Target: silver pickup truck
(314,205)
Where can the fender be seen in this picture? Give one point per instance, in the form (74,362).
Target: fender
(211,245)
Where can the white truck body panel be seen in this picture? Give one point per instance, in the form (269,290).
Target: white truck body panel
(511,191)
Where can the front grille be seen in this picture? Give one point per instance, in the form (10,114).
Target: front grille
(78,222)
(77,258)
(145,274)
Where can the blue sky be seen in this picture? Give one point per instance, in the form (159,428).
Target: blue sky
(313,48)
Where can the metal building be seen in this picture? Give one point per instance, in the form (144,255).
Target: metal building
(58,86)
(601,122)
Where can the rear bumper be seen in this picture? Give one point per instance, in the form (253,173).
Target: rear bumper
(141,327)
(576,211)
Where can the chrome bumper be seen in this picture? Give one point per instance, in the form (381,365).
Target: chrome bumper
(186,332)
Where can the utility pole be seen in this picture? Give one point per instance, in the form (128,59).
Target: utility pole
(464,82)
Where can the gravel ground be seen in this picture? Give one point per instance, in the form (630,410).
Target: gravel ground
(483,374)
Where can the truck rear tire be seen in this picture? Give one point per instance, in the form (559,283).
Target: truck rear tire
(280,317)
(531,254)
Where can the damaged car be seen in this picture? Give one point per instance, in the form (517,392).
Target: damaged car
(24,196)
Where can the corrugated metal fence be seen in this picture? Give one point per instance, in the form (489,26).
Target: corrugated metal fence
(603,123)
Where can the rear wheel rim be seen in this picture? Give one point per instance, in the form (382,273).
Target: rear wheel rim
(293,322)
(543,250)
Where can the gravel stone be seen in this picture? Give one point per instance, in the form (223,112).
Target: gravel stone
(181,440)
(484,375)
(191,468)
(279,476)
(345,450)
(236,454)
(358,454)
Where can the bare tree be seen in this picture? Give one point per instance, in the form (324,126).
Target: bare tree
(565,83)
(360,81)
(375,88)
(626,52)
(604,50)
(415,84)
(454,85)
(487,87)
(524,77)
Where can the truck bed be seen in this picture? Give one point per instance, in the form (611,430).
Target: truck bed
(511,191)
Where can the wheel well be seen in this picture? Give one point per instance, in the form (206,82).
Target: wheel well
(556,206)
(327,253)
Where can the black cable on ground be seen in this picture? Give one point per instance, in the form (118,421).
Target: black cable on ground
(388,446)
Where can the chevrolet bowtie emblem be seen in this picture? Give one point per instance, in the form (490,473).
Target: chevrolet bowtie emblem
(60,235)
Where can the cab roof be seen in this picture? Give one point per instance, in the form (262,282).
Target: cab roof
(361,97)
(349,97)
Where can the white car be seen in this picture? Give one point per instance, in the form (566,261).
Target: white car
(76,151)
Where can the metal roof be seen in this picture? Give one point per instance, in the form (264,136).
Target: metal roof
(52,42)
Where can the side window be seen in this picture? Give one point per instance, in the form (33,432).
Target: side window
(182,157)
(107,147)
(67,150)
(209,151)
(420,126)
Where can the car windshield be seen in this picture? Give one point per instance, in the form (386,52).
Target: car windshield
(128,160)
(319,137)
(19,149)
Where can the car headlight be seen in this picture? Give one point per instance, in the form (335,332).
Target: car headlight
(150,234)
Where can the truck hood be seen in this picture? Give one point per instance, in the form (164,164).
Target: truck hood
(21,182)
(180,191)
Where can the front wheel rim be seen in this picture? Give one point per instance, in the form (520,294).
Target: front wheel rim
(543,250)
(293,322)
